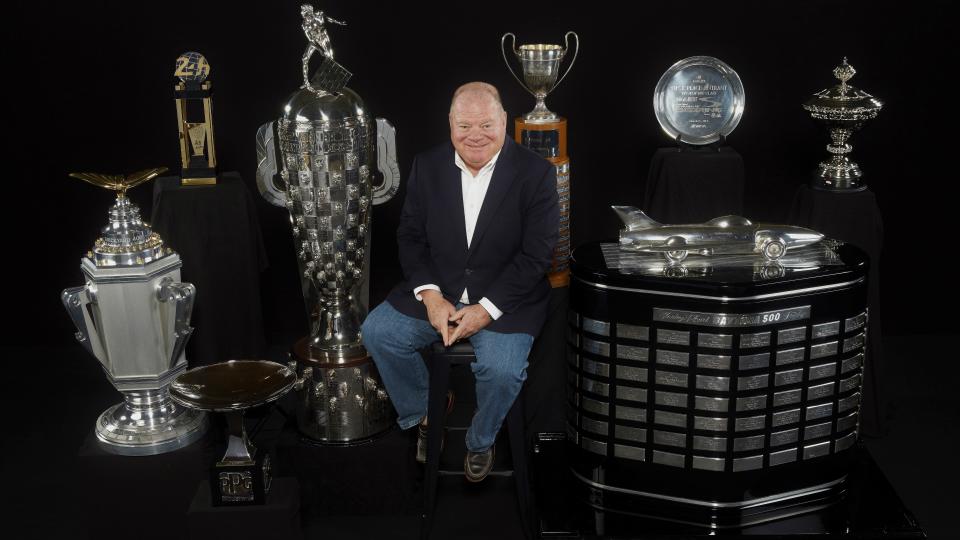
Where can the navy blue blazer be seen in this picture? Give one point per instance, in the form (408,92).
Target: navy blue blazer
(512,244)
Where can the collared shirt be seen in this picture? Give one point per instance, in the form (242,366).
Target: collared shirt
(474,189)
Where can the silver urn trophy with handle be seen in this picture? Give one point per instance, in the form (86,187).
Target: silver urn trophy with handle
(318,160)
(133,315)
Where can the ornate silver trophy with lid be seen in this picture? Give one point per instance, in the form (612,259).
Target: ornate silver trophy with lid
(133,315)
(843,109)
(317,160)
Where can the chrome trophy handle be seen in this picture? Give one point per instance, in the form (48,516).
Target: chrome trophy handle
(576,49)
(72,299)
(267,167)
(386,162)
(183,294)
(513,47)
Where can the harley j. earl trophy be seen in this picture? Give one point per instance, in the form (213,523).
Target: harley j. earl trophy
(545,132)
(194,93)
(133,315)
(317,161)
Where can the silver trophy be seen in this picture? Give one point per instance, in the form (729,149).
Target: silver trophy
(843,109)
(318,161)
(699,100)
(133,315)
(244,474)
(540,65)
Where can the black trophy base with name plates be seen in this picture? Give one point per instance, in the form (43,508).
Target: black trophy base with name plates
(238,484)
(713,392)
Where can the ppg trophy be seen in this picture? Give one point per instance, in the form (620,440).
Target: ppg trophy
(318,161)
(545,132)
(133,315)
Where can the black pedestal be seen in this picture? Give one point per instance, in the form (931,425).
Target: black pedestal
(545,403)
(692,185)
(141,496)
(854,217)
(217,234)
(278,518)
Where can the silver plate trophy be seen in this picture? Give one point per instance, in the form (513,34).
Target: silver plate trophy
(540,65)
(699,100)
(133,315)
(318,162)
(842,109)
(244,474)
(724,235)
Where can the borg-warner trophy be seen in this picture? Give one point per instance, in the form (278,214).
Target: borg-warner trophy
(545,132)
(133,315)
(244,474)
(317,161)
(842,109)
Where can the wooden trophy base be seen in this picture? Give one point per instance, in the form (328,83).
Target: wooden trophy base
(549,139)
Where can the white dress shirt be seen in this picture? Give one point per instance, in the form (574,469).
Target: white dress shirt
(474,189)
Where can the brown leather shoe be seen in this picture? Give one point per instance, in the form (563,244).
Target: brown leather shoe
(476,465)
(422,432)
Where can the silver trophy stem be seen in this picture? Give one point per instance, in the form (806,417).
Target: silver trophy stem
(239,448)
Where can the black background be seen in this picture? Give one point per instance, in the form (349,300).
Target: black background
(90,89)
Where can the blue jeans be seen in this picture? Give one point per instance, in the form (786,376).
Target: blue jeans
(393,340)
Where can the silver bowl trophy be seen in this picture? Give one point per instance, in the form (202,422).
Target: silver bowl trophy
(842,109)
(545,132)
(133,315)
(318,161)
(699,100)
(244,474)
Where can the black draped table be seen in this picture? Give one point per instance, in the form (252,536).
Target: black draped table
(694,184)
(217,234)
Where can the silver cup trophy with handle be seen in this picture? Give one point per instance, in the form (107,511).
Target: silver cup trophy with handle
(540,65)
(318,160)
(133,315)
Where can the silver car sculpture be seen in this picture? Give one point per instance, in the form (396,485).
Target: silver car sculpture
(719,236)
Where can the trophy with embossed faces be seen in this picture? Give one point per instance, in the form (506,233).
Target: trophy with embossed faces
(194,94)
(317,160)
(545,132)
(843,109)
(133,315)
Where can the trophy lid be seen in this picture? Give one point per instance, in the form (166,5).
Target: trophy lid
(843,101)
(232,385)
(126,240)
(306,105)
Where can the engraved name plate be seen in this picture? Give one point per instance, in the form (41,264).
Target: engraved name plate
(816,450)
(629,452)
(634,374)
(671,379)
(673,337)
(671,399)
(750,424)
(792,335)
(713,444)
(597,327)
(668,458)
(596,368)
(823,349)
(711,403)
(731,320)
(752,403)
(716,341)
(854,323)
(816,431)
(673,358)
(631,393)
(708,382)
(630,433)
(713,361)
(669,438)
(630,331)
(630,352)
(670,418)
(752,382)
(708,463)
(741,444)
(754,361)
(789,356)
(596,347)
(751,341)
(787,436)
(826,329)
(786,397)
(631,413)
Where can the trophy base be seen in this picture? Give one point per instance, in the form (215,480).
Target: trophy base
(124,431)
(241,483)
(343,401)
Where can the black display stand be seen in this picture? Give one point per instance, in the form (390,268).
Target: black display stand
(854,217)
(145,495)
(278,518)
(694,184)
(217,234)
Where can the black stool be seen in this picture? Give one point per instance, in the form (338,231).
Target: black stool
(439,359)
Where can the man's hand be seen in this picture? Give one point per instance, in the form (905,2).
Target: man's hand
(440,312)
(470,320)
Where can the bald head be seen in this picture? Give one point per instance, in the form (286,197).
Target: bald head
(478,124)
(473,91)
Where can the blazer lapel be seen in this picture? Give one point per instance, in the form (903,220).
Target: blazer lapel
(503,175)
(453,199)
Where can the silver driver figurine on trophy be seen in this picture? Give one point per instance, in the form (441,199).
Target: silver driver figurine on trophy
(133,315)
(317,161)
